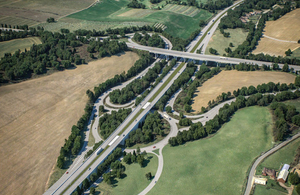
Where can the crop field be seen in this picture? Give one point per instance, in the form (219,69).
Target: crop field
(232,80)
(32,12)
(217,165)
(22,44)
(134,181)
(37,115)
(261,190)
(114,11)
(181,9)
(219,42)
(284,28)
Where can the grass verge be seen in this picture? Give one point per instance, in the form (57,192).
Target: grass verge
(133,181)
(217,165)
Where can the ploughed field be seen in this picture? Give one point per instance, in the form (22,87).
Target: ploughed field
(37,115)
(232,80)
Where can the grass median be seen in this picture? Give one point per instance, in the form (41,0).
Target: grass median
(167,81)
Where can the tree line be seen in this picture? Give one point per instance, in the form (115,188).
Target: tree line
(189,88)
(101,169)
(198,131)
(153,41)
(57,51)
(136,4)
(23,27)
(106,47)
(148,131)
(179,82)
(165,71)
(144,61)
(133,89)
(110,122)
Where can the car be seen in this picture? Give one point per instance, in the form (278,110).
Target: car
(67,172)
(154,146)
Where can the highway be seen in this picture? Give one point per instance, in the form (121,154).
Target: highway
(81,172)
(69,182)
(202,57)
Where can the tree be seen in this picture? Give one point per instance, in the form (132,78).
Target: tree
(294,178)
(92,191)
(50,20)
(101,108)
(181,114)
(138,150)
(298,189)
(297,81)
(187,107)
(288,52)
(213,51)
(168,109)
(285,67)
(149,175)
(85,184)
(231,45)
(202,23)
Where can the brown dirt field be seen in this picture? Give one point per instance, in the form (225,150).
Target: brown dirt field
(37,115)
(231,80)
(285,28)
(272,47)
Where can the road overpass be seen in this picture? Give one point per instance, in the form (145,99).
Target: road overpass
(201,57)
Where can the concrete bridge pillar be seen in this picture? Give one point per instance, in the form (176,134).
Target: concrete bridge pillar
(167,57)
(155,55)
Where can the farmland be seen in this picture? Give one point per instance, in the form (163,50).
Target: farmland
(219,42)
(177,23)
(231,80)
(14,45)
(32,12)
(283,29)
(134,181)
(217,165)
(37,115)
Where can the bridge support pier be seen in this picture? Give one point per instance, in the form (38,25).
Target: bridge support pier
(155,55)
(167,57)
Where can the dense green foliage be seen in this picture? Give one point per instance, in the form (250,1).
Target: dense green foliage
(111,161)
(190,88)
(109,122)
(106,47)
(198,131)
(57,51)
(153,41)
(136,87)
(284,114)
(9,35)
(165,71)
(149,130)
(179,82)
(136,4)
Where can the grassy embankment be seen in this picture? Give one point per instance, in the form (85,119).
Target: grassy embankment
(217,165)
(134,181)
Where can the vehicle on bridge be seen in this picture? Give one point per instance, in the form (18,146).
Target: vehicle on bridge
(99,151)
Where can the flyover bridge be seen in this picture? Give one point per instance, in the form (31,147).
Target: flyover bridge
(201,57)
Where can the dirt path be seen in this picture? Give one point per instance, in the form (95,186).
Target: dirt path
(37,115)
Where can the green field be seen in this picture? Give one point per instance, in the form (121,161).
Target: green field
(217,165)
(296,53)
(134,182)
(282,156)
(116,11)
(261,190)
(14,45)
(219,42)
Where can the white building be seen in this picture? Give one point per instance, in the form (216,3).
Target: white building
(283,173)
